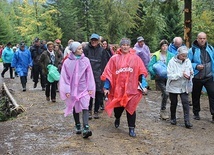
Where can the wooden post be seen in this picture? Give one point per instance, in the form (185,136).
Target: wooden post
(187,22)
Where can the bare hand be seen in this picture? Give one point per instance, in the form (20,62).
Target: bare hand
(90,92)
(186,76)
(200,67)
(67,95)
(106,92)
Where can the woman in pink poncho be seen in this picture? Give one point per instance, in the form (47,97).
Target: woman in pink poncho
(76,86)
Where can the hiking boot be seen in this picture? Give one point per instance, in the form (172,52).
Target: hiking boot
(164,115)
(96,115)
(196,117)
(86,132)
(188,124)
(131,132)
(90,115)
(173,121)
(78,129)
(117,122)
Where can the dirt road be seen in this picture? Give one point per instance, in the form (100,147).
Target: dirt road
(42,130)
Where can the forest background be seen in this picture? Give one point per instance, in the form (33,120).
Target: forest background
(23,20)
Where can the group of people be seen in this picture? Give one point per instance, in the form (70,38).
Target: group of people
(88,72)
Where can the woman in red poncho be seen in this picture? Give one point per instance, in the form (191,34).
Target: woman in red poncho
(121,75)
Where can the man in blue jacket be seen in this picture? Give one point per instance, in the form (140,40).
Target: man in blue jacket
(202,57)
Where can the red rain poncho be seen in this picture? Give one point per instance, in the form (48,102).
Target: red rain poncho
(123,71)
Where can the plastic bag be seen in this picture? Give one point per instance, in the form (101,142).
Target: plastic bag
(160,69)
(53,74)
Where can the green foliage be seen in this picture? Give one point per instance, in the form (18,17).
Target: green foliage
(6,34)
(112,19)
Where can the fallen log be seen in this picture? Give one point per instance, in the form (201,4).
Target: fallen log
(18,108)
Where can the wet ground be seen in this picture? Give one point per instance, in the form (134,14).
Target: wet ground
(42,129)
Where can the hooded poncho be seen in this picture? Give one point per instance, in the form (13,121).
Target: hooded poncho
(76,79)
(123,71)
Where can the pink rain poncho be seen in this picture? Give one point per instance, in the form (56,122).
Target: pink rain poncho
(76,79)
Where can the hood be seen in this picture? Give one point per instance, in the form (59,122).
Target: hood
(73,57)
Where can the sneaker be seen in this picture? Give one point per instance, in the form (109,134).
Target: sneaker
(35,85)
(90,115)
(212,119)
(102,107)
(164,115)
(86,132)
(24,89)
(117,123)
(43,89)
(2,75)
(188,124)
(96,115)
(78,129)
(53,100)
(196,117)
(173,121)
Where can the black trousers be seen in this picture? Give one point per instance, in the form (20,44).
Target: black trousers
(51,89)
(174,101)
(23,80)
(6,67)
(98,101)
(196,94)
(162,85)
(131,119)
(37,71)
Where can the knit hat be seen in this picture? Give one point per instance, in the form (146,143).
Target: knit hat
(125,41)
(139,39)
(162,42)
(182,50)
(73,46)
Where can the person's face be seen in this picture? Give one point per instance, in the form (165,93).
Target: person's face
(105,44)
(22,48)
(164,48)
(79,50)
(125,48)
(94,42)
(202,39)
(56,48)
(140,43)
(50,47)
(182,56)
(37,43)
(178,44)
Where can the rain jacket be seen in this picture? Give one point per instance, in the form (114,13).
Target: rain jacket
(154,59)
(77,79)
(22,61)
(196,58)
(7,55)
(176,82)
(143,53)
(98,60)
(123,71)
(173,49)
